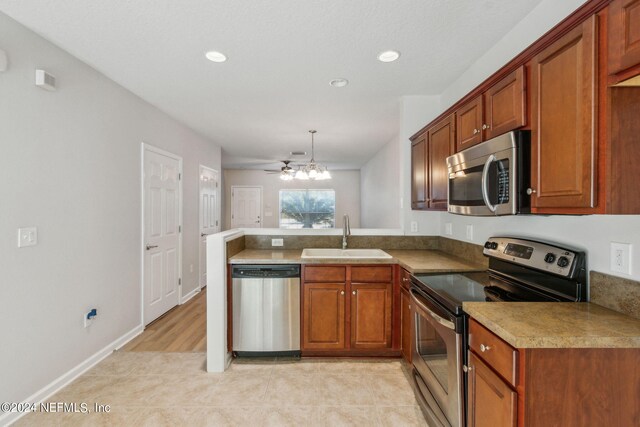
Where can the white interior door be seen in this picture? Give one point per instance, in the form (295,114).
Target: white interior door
(162,208)
(246,207)
(209,221)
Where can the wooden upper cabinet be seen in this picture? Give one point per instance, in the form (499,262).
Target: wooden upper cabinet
(563,140)
(624,35)
(469,124)
(419,172)
(371,315)
(323,309)
(491,402)
(505,105)
(441,144)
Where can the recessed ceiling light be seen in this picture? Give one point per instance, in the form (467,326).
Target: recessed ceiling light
(339,82)
(388,56)
(215,56)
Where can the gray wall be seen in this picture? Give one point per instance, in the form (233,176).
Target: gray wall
(345,183)
(70,164)
(380,188)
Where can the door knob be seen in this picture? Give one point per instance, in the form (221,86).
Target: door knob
(151,246)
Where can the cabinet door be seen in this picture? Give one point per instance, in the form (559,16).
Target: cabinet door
(371,315)
(563,140)
(624,35)
(323,316)
(504,105)
(419,172)
(491,402)
(469,124)
(406,325)
(440,146)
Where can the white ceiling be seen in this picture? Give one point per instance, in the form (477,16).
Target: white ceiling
(282,54)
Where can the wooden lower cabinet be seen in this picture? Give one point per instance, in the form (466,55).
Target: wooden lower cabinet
(349,317)
(540,387)
(371,315)
(492,403)
(323,308)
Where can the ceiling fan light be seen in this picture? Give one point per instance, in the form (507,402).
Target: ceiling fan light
(313,173)
(326,174)
(285,176)
(301,175)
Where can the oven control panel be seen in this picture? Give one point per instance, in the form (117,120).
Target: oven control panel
(541,256)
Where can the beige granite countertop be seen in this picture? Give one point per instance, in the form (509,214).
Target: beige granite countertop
(415,261)
(556,324)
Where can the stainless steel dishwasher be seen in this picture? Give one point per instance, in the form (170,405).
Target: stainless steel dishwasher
(266,310)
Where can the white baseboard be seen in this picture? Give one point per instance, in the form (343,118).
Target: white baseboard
(64,380)
(190,295)
(228,358)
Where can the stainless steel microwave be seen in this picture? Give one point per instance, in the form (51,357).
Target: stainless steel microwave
(491,178)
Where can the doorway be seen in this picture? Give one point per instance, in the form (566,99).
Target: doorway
(161,231)
(246,206)
(209,220)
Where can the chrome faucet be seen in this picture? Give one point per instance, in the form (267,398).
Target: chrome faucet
(346,231)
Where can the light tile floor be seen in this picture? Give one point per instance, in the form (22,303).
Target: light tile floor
(173,389)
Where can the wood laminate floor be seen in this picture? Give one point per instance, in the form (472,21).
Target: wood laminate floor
(183,329)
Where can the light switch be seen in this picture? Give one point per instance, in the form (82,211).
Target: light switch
(27,236)
(414,226)
(469,232)
(448,228)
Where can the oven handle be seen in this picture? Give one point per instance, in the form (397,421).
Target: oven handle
(485,191)
(444,322)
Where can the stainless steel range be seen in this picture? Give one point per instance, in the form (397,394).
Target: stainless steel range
(519,270)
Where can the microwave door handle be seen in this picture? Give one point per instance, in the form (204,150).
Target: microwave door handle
(484,184)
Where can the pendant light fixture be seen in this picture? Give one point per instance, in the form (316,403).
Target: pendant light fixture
(312,170)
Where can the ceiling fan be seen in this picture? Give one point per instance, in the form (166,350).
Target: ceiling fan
(286,169)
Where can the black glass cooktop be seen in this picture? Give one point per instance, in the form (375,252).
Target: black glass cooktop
(451,290)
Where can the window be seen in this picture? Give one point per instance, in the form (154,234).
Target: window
(307,208)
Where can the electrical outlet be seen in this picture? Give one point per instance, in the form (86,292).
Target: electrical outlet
(448,228)
(27,236)
(469,232)
(89,316)
(277,242)
(414,226)
(621,257)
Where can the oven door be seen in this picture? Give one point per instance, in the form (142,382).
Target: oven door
(437,360)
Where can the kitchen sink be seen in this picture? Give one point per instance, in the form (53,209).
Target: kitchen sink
(345,253)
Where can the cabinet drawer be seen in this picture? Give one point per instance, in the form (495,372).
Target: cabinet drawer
(495,352)
(325,274)
(372,274)
(405,279)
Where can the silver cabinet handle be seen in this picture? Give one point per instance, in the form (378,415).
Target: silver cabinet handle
(404,279)
(484,348)
(354,292)
(485,127)
(151,246)
(476,131)
(341,292)
(530,191)
(466,368)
